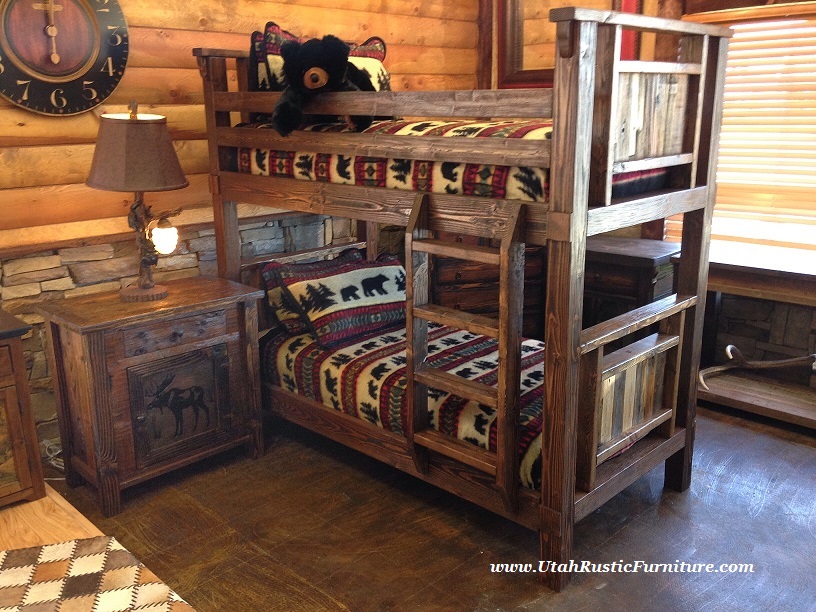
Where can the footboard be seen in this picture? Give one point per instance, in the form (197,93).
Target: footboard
(631,392)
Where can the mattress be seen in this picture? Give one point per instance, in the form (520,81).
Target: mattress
(449,177)
(365,378)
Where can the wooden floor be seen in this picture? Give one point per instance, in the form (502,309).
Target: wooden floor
(314,526)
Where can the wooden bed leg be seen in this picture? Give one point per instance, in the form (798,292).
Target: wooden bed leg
(554,552)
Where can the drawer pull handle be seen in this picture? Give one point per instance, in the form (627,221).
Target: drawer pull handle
(176,335)
(458,276)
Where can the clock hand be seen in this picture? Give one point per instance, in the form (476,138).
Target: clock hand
(51,31)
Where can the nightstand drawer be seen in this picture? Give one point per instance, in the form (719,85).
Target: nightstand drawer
(165,334)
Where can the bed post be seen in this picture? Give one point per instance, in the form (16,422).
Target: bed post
(572,135)
(692,275)
(213,71)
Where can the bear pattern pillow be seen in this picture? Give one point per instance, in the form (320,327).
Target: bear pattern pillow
(358,297)
(266,63)
(288,319)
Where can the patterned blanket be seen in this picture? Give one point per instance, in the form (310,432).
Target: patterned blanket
(365,378)
(451,177)
(87,575)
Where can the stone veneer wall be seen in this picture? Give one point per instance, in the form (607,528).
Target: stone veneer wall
(765,330)
(62,273)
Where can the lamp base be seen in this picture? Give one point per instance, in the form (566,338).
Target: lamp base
(134,293)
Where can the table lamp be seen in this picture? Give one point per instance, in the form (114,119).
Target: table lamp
(134,152)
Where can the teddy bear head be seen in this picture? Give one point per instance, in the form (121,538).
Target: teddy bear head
(317,65)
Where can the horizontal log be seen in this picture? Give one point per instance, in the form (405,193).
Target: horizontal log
(507,152)
(368,203)
(632,211)
(65,164)
(18,242)
(34,206)
(21,128)
(455,29)
(152,47)
(162,86)
(480,103)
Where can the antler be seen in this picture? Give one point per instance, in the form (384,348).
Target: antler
(165,383)
(738,361)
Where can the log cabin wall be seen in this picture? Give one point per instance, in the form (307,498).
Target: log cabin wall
(60,238)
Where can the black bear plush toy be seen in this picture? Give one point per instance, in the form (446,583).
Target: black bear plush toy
(310,68)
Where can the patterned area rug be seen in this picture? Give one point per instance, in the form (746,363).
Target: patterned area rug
(89,575)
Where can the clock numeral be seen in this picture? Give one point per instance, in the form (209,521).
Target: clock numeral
(2,67)
(25,85)
(107,66)
(57,99)
(88,92)
(103,8)
(114,39)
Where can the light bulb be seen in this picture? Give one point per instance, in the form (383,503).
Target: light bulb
(164,237)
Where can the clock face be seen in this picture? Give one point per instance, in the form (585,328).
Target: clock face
(61,57)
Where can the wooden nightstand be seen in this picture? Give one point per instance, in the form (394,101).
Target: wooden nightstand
(624,273)
(143,388)
(21,474)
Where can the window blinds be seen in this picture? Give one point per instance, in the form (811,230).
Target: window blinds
(766,174)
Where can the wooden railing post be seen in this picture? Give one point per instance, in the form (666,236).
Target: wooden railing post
(572,120)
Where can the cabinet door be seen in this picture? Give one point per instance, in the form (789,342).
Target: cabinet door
(179,404)
(14,472)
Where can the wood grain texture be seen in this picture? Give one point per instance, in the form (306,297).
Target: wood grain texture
(430,46)
(49,520)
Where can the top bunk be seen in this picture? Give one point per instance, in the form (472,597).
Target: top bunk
(626,141)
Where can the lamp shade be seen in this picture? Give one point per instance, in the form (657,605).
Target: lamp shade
(135,153)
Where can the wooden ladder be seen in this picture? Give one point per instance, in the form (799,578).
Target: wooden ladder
(505,225)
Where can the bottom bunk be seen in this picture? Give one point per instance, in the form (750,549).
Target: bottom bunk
(336,362)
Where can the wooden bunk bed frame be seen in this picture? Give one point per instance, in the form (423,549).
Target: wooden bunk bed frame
(582,465)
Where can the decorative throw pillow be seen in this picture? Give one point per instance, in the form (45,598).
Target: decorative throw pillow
(289,319)
(266,63)
(357,297)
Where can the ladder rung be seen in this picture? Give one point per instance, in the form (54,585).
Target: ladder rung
(468,252)
(469,389)
(460,450)
(460,319)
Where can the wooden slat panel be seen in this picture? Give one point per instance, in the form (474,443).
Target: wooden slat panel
(507,152)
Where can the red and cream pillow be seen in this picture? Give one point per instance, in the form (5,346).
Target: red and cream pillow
(288,319)
(351,299)
(267,64)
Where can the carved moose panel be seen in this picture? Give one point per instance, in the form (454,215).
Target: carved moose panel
(177,403)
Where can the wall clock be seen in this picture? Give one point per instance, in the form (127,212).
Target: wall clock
(61,57)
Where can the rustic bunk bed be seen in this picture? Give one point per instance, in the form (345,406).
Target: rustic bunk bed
(607,416)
